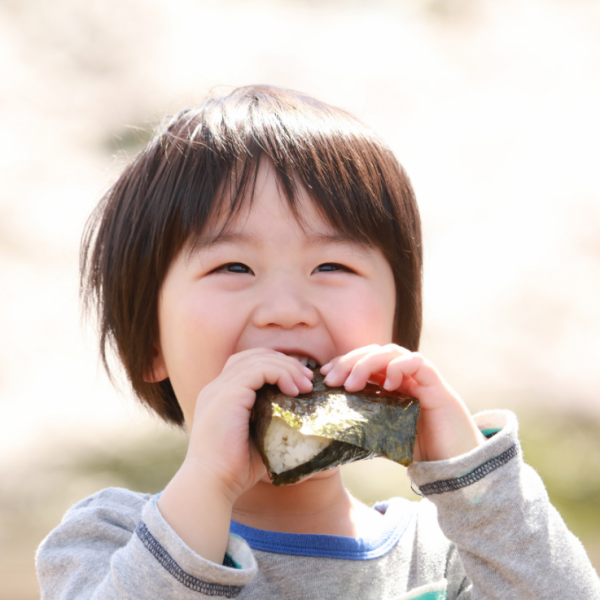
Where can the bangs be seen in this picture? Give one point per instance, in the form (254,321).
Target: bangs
(212,156)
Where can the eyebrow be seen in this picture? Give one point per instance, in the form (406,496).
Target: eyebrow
(239,238)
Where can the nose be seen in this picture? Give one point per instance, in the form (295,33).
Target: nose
(285,303)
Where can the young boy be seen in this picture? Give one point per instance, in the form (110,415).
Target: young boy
(257,234)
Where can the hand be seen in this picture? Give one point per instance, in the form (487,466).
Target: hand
(445,428)
(221,462)
(219,437)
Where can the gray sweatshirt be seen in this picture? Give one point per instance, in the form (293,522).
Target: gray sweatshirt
(485,530)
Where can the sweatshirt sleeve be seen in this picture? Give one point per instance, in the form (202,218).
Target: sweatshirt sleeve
(512,542)
(116,545)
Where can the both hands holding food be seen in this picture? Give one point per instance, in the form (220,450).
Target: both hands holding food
(221,436)
(222,456)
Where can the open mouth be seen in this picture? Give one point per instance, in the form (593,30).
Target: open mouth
(311,363)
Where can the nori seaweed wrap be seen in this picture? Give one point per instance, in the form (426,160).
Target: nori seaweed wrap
(339,426)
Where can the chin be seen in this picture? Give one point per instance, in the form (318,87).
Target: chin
(326,474)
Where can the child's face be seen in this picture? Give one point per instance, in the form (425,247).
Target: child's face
(266,283)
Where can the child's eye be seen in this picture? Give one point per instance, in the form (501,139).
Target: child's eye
(331,267)
(235,268)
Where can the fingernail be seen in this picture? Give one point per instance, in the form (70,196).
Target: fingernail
(387,384)
(350,381)
(326,368)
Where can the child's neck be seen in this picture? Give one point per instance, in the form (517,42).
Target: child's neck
(318,505)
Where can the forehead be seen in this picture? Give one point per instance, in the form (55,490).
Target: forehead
(265,211)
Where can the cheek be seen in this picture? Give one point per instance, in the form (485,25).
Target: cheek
(197,337)
(364,317)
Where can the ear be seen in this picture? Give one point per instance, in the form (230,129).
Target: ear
(159,368)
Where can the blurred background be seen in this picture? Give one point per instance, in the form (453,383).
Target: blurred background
(492,107)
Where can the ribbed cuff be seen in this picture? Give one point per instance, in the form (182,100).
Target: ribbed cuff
(454,474)
(188,568)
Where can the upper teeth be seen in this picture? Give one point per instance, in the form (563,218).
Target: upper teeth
(307,362)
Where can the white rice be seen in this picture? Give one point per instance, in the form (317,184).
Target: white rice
(287,448)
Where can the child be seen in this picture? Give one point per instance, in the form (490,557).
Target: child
(257,234)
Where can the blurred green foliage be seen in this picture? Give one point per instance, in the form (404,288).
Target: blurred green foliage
(146,465)
(565,451)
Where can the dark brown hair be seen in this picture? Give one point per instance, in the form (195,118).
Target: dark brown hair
(164,198)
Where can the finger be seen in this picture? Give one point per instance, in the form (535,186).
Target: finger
(373,366)
(327,367)
(413,365)
(305,370)
(300,375)
(355,369)
(249,356)
(303,383)
(288,374)
(296,364)
(293,380)
(354,354)
(344,364)
(283,380)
